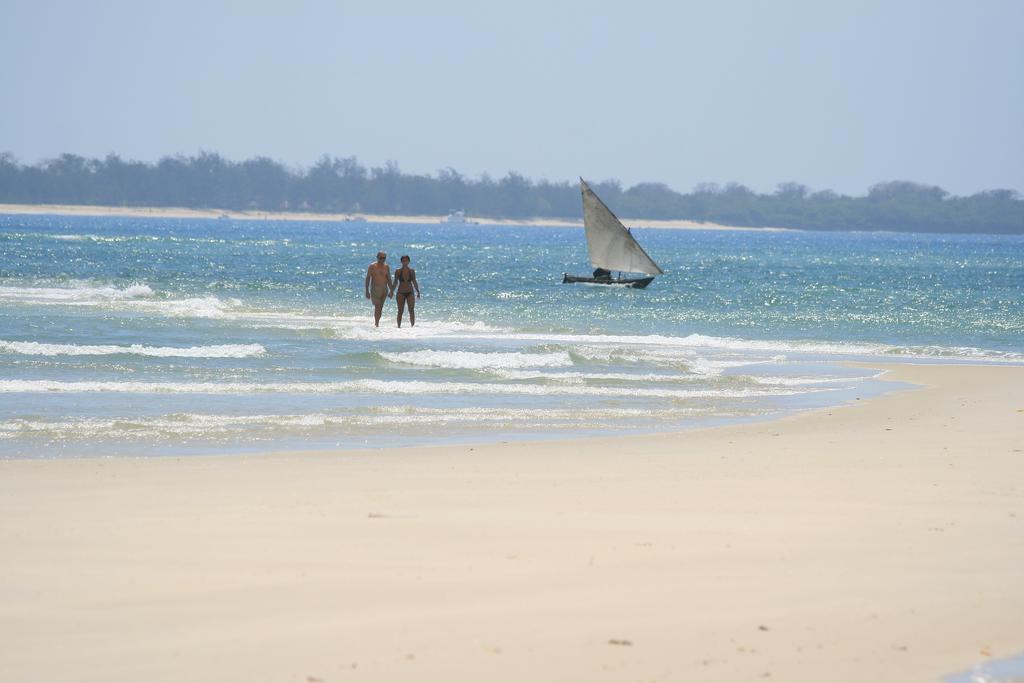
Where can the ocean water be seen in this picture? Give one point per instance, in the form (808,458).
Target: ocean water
(1006,670)
(134,336)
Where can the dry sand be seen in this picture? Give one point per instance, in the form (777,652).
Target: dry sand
(880,541)
(168,212)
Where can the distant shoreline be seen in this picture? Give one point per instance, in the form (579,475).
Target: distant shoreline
(181,212)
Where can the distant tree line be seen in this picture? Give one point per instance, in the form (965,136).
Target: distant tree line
(343,185)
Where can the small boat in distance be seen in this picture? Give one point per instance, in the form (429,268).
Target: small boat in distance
(458,218)
(611,247)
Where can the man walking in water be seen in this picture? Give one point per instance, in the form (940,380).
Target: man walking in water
(378,285)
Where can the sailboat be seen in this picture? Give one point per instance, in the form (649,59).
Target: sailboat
(612,247)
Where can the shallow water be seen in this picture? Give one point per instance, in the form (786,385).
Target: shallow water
(147,336)
(1008,670)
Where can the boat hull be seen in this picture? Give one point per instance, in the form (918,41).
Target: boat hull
(635,283)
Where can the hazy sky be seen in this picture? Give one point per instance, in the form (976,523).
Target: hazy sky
(832,94)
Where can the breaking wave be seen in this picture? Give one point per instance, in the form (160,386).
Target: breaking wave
(212,351)
(138,297)
(366,386)
(472,360)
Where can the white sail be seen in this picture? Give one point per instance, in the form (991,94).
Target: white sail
(611,245)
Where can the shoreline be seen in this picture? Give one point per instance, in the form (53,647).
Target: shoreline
(210,214)
(871,387)
(879,540)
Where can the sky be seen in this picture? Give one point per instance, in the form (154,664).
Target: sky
(832,94)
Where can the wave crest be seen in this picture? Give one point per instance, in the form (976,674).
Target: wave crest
(212,351)
(473,360)
(375,387)
(82,293)
(138,296)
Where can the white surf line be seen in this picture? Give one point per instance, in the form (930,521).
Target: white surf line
(372,387)
(211,351)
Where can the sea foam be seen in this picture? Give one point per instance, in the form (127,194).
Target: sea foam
(211,351)
(78,293)
(472,360)
(375,387)
(137,297)
(199,425)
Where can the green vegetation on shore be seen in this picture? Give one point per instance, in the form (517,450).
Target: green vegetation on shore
(342,185)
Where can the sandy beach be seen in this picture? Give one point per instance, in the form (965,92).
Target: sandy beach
(878,541)
(169,212)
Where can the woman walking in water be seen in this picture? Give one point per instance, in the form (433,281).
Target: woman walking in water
(405,281)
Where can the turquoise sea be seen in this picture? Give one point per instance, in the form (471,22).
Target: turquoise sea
(134,336)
